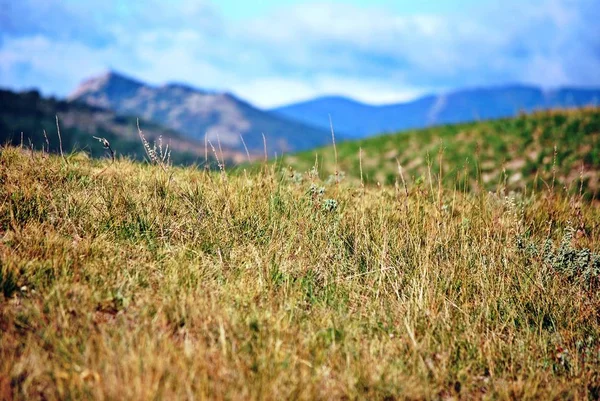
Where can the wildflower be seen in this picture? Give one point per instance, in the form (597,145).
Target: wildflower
(330,205)
(106,145)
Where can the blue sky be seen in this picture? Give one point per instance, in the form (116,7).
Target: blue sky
(274,52)
(241,10)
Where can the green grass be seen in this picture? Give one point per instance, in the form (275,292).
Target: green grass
(126,281)
(527,151)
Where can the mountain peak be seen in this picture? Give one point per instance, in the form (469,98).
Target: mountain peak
(183,87)
(198,113)
(114,75)
(110,80)
(338,100)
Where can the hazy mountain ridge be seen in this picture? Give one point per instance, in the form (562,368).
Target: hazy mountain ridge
(196,113)
(357,119)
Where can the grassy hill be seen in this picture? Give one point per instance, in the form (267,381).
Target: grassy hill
(126,281)
(24,116)
(513,153)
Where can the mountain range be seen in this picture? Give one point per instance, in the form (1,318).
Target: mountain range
(222,117)
(108,105)
(356,120)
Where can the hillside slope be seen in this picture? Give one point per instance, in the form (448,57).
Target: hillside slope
(509,152)
(30,114)
(197,113)
(359,119)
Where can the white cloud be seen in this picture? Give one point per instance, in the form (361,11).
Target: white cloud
(498,42)
(52,64)
(301,51)
(271,92)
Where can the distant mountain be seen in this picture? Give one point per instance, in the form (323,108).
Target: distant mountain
(359,120)
(195,113)
(30,114)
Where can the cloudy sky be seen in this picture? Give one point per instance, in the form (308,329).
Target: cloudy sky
(272,52)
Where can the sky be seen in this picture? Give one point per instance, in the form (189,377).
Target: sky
(272,52)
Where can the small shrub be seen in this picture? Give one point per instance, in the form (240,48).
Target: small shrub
(576,264)
(8,281)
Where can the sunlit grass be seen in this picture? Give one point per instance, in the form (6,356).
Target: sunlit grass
(550,148)
(131,281)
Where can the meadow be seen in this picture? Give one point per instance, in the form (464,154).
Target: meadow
(530,152)
(129,280)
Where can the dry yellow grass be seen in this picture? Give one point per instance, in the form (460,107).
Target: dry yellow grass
(123,281)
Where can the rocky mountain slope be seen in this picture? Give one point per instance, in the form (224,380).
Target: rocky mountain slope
(196,113)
